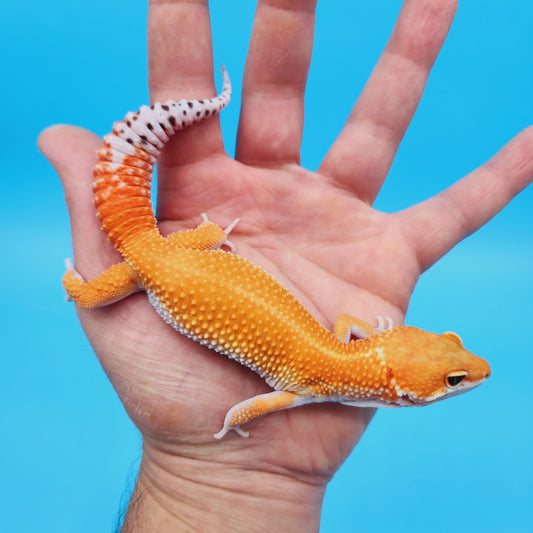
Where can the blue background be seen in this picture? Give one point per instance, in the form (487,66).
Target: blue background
(68,453)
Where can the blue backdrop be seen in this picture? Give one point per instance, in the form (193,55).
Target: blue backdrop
(68,453)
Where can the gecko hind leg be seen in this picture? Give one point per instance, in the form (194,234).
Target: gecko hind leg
(112,285)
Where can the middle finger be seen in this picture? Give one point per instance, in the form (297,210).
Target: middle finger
(271,123)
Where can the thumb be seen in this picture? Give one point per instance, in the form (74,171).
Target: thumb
(72,153)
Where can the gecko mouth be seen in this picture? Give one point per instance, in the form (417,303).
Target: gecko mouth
(405,399)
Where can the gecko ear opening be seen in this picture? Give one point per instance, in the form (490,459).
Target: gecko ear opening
(454,337)
(454,378)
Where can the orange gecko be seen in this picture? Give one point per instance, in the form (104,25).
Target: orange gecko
(232,306)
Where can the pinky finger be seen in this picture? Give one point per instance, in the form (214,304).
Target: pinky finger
(439,223)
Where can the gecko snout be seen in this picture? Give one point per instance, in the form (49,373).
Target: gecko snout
(480,372)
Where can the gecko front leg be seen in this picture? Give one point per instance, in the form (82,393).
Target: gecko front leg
(258,406)
(347,326)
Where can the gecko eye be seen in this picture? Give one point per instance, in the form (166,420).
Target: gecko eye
(454,378)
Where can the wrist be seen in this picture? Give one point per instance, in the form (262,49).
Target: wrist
(215,493)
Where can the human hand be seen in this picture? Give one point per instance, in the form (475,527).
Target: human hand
(315,232)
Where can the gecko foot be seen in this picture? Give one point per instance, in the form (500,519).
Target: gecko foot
(227,429)
(227,231)
(70,268)
(381,323)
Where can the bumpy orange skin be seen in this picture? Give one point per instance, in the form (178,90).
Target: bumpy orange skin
(229,304)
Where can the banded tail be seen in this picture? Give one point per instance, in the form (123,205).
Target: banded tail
(123,175)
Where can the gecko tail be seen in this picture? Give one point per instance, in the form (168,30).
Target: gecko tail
(123,174)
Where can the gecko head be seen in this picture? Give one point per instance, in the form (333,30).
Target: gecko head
(428,367)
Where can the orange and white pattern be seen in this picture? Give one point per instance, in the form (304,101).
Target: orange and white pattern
(232,306)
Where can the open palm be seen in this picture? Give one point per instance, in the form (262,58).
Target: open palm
(315,232)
